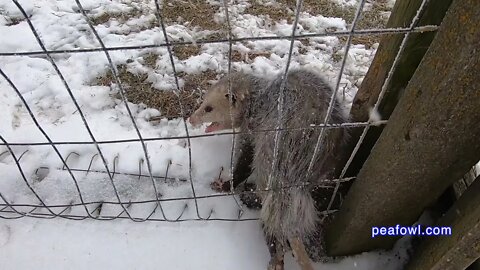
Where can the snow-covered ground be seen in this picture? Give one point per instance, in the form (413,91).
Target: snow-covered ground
(122,244)
(60,244)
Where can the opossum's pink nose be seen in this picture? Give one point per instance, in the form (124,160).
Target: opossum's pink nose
(193,120)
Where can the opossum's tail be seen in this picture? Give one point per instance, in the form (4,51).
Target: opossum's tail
(289,213)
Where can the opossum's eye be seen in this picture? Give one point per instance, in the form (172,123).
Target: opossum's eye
(234,98)
(208,109)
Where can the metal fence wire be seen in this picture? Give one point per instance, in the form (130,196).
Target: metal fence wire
(86,209)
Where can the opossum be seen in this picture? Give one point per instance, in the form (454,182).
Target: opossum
(288,212)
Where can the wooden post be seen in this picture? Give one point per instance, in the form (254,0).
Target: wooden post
(431,140)
(460,249)
(415,48)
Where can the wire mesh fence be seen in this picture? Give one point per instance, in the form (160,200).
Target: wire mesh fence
(157,205)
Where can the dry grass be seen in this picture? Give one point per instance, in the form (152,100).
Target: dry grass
(14,20)
(198,82)
(194,13)
(285,9)
(186,51)
(150,60)
(101,19)
(372,18)
(274,12)
(242,57)
(198,13)
(123,17)
(337,56)
(138,90)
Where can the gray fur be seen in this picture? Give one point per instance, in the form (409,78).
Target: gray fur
(287,212)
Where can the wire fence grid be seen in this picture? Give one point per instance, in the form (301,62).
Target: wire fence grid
(93,209)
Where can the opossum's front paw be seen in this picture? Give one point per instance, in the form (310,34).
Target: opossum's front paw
(220,185)
(250,198)
(275,264)
(252,201)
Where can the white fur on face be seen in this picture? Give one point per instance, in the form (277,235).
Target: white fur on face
(217,109)
(224,107)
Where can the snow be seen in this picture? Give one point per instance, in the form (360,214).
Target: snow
(62,244)
(123,245)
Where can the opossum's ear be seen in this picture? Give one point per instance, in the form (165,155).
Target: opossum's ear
(233,99)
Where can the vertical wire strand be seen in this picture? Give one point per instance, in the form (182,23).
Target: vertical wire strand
(231,97)
(22,173)
(57,70)
(280,100)
(321,136)
(32,116)
(125,101)
(158,14)
(380,97)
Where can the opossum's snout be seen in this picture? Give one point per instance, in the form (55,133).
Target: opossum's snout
(193,120)
(208,114)
(196,121)
(216,110)
(221,107)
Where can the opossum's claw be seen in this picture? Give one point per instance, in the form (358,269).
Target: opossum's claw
(300,254)
(276,263)
(275,266)
(220,185)
(250,198)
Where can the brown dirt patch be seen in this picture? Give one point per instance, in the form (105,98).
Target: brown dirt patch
(123,17)
(286,10)
(371,18)
(150,60)
(242,57)
(198,82)
(274,12)
(14,20)
(184,52)
(368,41)
(138,90)
(194,13)
(374,17)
